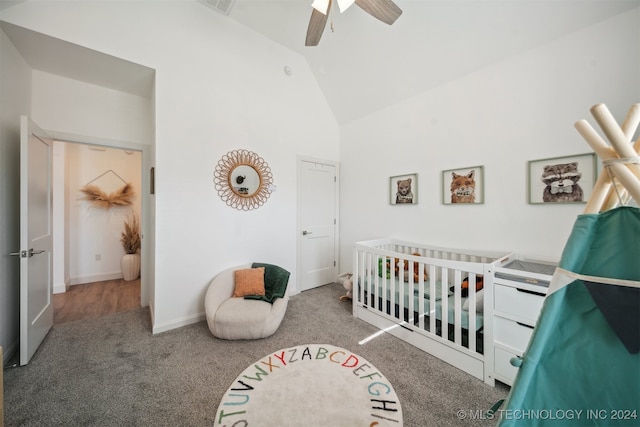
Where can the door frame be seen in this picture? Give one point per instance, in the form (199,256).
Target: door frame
(147,282)
(299,225)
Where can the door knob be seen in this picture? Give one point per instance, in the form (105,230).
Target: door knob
(305,232)
(27,254)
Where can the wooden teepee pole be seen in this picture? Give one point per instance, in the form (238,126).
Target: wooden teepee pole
(618,193)
(627,174)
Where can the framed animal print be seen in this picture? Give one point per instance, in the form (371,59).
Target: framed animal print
(403,189)
(567,179)
(463,186)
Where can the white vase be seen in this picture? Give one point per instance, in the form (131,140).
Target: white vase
(130,265)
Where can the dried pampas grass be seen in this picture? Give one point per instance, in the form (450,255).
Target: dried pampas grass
(130,237)
(98,198)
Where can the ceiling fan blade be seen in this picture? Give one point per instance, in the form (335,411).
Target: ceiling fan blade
(384,10)
(316,26)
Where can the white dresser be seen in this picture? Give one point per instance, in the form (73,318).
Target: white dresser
(519,291)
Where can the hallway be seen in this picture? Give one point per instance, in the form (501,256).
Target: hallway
(93,300)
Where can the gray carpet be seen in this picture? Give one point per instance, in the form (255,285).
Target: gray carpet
(113,372)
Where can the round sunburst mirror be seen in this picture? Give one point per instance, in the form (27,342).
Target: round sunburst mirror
(243,180)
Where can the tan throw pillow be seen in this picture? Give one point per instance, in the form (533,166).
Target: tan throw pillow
(249,281)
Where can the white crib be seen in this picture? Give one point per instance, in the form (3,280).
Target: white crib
(419,299)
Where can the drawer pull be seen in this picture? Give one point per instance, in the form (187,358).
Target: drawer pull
(516,361)
(525,325)
(527,291)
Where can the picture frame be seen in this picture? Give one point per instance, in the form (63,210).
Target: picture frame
(558,185)
(403,189)
(463,186)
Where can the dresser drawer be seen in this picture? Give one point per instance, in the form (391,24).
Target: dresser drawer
(511,333)
(503,367)
(519,303)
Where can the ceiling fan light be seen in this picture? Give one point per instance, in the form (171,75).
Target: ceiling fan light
(344,4)
(321,6)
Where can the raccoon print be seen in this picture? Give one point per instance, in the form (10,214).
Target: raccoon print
(561,183)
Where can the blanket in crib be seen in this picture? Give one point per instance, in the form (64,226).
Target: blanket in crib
(396,286)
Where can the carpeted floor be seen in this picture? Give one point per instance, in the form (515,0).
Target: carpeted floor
(113,372)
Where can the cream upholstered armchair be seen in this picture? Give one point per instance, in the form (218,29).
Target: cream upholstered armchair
(237,307)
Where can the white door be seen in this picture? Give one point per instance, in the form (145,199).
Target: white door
(36,275)
(317,223)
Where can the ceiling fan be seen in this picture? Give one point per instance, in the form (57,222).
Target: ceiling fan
(384,10)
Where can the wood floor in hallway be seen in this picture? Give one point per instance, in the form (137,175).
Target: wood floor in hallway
(92,300)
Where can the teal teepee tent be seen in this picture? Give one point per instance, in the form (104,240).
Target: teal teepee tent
(582,365)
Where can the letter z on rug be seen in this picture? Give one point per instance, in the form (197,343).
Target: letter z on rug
(310,385)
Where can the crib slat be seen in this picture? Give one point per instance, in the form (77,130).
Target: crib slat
(374,291)
(444,307)
(432,300)
(396,285)
(421,307)
(471,327)
(410,293)
(372,282)
(457,329)
(366,281)
(359,279)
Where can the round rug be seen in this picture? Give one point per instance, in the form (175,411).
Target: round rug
(310,385)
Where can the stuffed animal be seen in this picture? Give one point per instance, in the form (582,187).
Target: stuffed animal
(387,269)
(416,269)
(465,286)
(348,285)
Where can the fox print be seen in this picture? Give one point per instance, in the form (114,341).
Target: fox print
(463,187)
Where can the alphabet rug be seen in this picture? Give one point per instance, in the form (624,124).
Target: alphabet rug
(310,385)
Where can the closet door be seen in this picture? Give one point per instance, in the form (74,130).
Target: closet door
(317,223)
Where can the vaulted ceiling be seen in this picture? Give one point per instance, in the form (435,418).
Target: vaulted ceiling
(364,65)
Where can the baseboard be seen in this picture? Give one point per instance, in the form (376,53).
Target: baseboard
(151,314)
(96,278)
(178,323)
(60,288)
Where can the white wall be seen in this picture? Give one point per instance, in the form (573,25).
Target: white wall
(63,105)
(15,93)
(219,87)
(501,117)
(59,221)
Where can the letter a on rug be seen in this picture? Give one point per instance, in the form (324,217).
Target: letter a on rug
(310,385)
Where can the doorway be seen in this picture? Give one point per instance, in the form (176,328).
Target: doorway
(317,222)
(94,300)
(88,279)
